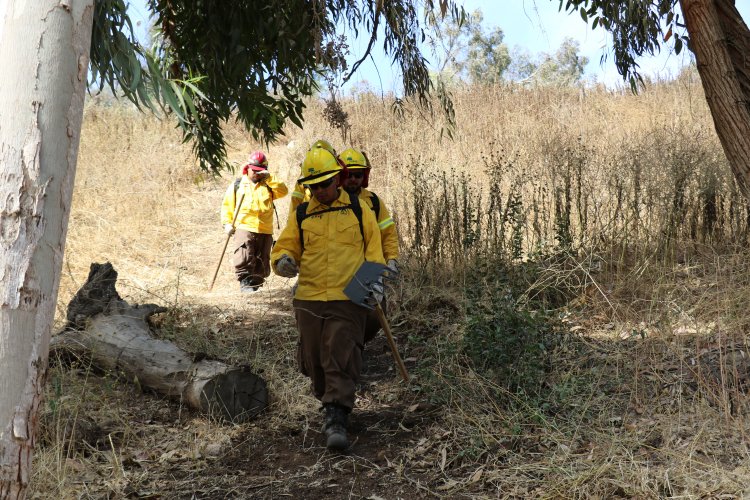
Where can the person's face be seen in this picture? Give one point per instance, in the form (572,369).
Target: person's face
(327,191)
(354,180)
(258,176)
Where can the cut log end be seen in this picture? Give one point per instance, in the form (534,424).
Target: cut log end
(237,396)
(119,338)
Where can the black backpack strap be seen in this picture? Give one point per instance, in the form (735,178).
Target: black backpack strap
(357,209)
(301,215)
(375,205)
(270,192)
(236,187)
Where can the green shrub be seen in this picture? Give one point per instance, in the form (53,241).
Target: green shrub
(505,339)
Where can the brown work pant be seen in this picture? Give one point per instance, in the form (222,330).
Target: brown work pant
(252,256)
(330,347)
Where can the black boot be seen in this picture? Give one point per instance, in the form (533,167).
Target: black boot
(247,286)
(335,423)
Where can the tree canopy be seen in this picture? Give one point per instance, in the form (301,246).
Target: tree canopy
(466,50)
(563,68)
(250,60)
(636,28)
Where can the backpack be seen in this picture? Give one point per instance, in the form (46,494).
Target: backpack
(270,191)
(375,205)
(302,215)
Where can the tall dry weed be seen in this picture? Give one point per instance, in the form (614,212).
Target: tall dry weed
(616,214)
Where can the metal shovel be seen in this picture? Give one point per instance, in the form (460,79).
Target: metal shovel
(368,277)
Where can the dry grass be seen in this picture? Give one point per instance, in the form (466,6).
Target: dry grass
(600,205)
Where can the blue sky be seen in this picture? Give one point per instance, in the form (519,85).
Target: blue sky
(535,25)
(540,27)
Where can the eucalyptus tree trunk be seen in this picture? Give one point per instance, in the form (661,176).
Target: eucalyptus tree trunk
(720,40)
(44,50)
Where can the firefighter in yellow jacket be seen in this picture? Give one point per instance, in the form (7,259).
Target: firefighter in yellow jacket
(256,190)
(358,176)
(325,241)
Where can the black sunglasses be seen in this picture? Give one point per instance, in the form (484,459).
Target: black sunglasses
(321,185)
(356,175)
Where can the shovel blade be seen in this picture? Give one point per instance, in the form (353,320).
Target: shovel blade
(359,289)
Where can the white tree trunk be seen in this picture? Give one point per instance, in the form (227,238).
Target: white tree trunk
(44,50)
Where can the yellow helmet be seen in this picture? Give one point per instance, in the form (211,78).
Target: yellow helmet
(319,165)
(323,144)
(354,159)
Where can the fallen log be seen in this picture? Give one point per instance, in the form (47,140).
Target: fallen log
(117,336)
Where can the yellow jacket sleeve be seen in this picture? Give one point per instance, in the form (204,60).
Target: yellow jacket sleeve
(388,233)
(373,243)
(278,188)
(288,242)
(299,195)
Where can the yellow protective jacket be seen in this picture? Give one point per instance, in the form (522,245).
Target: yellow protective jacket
(388,234)
(334,248)
(299,195)
(256,212)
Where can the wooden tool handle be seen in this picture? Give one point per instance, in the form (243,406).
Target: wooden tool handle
(392,343)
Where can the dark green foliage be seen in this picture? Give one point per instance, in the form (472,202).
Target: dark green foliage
(250,60)
(635,26)
(506,339)
(115,61)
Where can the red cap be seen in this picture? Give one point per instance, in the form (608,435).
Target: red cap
(257,162)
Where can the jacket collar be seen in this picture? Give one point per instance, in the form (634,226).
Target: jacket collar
(342,200)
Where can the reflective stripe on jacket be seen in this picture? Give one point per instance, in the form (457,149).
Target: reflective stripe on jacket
(334,248)
(388,234)
(256,212)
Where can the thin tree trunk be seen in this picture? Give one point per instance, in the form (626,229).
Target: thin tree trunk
(720,40)
(44,47)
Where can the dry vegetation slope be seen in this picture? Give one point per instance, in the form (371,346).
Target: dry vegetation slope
(609,319)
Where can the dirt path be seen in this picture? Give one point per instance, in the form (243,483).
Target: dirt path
(279,456)
(291,460)
(156,448)
(140,445)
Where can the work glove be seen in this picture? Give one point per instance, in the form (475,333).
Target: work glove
(229,229)
(286,267)
(377,291)
(392,266)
